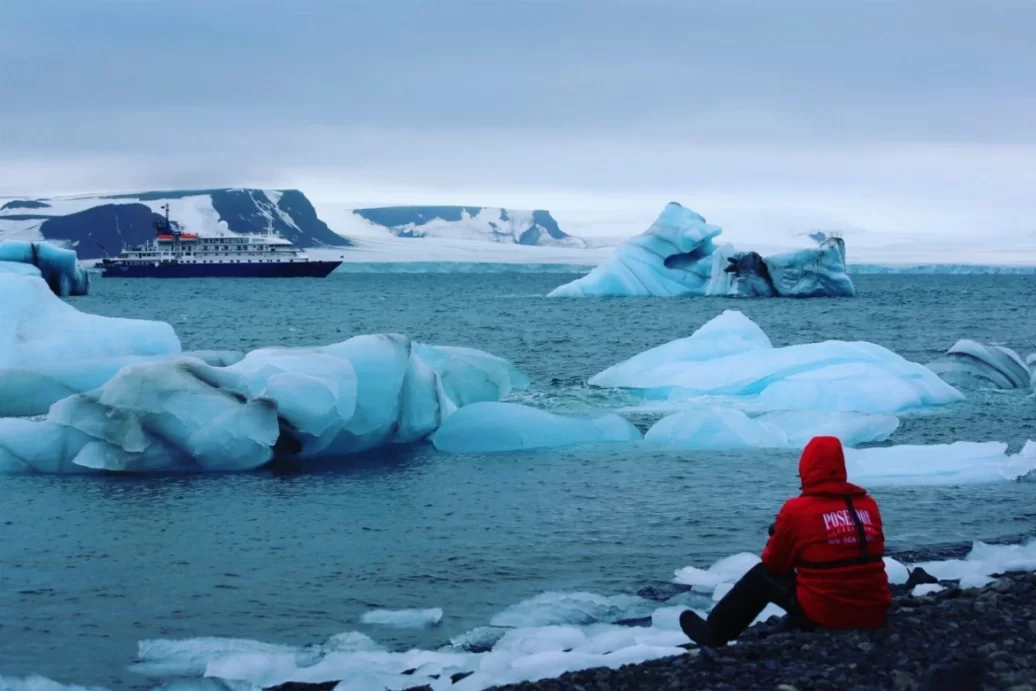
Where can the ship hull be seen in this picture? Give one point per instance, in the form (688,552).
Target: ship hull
(310,269)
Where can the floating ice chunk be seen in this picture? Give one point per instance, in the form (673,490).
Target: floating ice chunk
(731,333)
(404,618)
(984,560)
(926,589)
(190,657)
(178,413)
(715,429)
(677,256)
(554,608)
(20,269)
(611,639)
(494,426)
(816,272)
(833,376)
(38,328)
(39,446)
(349,642)
(538,639)
(851,428)
(973,365)
(57,266)
(315,393)
(174,415)
(897,573)
(668,618)
(727,570)
(479,639)
(938,464)
(469,375)
(672,257)
(31,390)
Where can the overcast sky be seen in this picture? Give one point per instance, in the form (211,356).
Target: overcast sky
(900,117)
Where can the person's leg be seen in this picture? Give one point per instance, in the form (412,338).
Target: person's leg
(739,608)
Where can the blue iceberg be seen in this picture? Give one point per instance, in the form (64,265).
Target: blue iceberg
(57,266)
(727,429)
(49,349)
(494,427)
(183,414)
(972,365)
(731,358)
(32,390)
(37,328)
(677,256)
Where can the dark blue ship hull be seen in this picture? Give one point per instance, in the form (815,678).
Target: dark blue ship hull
(310,269)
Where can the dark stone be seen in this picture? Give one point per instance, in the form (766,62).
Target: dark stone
(965,676)
(920,577)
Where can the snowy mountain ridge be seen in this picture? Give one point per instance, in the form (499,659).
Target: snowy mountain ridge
(504,226)
(99,225)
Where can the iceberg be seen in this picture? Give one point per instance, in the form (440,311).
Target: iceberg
(57,266)
(959,463)
(677,256)
(673,257)
(492,426)
(37,328)
(1031,363)
(730,357)
(720,429)
(183,414)
(28,391)
(972,365)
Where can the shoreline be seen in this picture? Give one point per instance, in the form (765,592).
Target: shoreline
(971,638)
(944,638)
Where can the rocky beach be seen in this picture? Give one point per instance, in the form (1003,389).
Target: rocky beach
(938,637)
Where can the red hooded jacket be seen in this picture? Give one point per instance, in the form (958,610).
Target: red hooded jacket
(840,581)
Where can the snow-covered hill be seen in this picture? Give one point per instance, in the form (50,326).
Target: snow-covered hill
(102,224)
(504,226)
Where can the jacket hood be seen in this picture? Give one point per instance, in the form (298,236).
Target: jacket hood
(822,468)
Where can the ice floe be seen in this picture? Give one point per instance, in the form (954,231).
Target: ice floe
(720,429)
(731,358)
(972,365)
(494,426)
(958,463)
(403,618)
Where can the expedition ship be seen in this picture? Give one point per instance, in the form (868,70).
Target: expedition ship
(175,254)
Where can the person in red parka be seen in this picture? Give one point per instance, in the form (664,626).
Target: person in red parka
(823,563)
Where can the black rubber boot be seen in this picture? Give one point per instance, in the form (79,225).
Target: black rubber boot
(697,629)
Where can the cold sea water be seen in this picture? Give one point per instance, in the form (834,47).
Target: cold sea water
(89,566)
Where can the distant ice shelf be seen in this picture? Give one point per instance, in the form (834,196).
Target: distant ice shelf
(941,269)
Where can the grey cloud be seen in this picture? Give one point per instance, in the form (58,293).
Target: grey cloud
(884,100)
